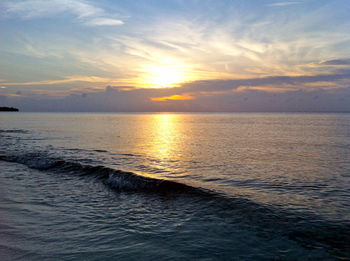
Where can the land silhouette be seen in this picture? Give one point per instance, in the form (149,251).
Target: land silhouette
(8,109)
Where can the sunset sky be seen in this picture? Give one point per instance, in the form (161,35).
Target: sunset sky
(176,55)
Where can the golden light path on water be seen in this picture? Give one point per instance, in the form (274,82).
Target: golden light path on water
(169,145)
(165,136)
(166,143)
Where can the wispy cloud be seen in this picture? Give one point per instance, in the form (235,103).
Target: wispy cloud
(285,3)
(39,8)
(85,12)
(104,21)
(92,79)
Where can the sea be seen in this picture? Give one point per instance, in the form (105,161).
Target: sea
(171,186)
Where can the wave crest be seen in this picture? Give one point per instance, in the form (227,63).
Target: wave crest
(115,179)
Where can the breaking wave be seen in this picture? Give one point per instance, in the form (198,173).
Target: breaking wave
(115,179)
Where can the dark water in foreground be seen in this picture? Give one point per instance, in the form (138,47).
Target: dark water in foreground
(174,186)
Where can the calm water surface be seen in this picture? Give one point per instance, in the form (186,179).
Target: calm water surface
(174,186)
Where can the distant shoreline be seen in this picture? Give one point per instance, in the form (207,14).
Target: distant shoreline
(8,109)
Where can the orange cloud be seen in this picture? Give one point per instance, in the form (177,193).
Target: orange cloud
(173,97)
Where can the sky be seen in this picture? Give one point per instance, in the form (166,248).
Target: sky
(175,55)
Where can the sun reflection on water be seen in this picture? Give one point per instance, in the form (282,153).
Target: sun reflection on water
(165,134)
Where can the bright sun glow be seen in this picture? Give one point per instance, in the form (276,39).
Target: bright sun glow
(165,77)
(162,76)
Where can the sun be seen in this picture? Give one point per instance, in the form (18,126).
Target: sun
(164,76)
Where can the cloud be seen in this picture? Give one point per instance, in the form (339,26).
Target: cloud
(296,81)
(208,49)
(41,8)
(329,92)
(236,46)
(279,4)
(86,13)
(190,90)
(104,21)
(337,62)
(112,99)
(68,79)
(175,97)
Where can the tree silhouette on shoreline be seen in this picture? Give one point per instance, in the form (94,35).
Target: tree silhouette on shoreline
(8,109)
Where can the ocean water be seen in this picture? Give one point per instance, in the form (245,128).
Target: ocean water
(174,186)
